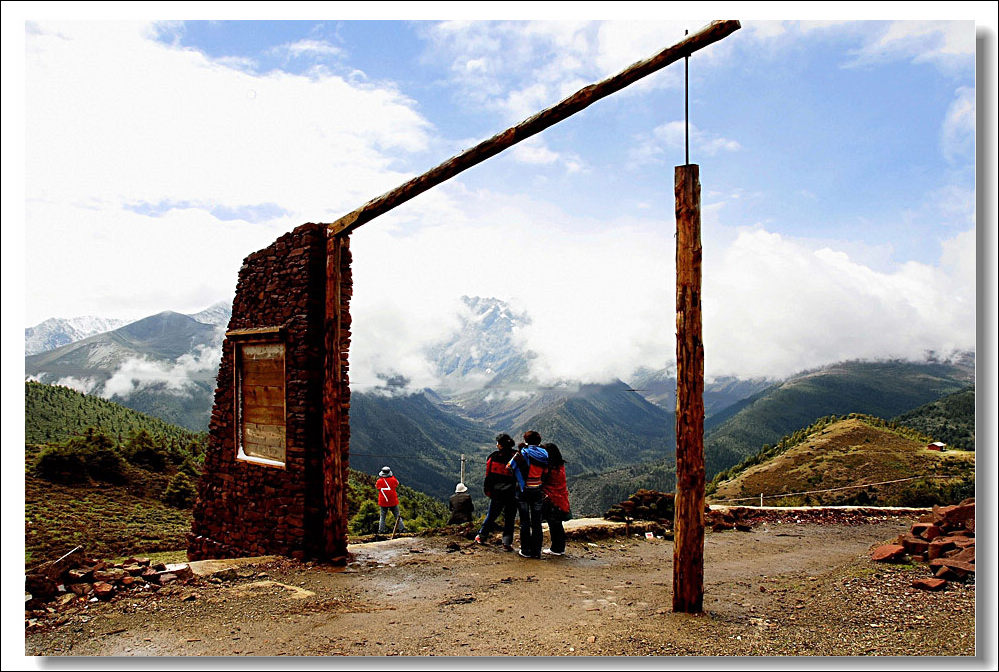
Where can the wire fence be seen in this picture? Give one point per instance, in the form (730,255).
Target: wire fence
(782,495)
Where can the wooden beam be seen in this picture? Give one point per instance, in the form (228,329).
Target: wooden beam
(712,33)
(688,524)
(334,530)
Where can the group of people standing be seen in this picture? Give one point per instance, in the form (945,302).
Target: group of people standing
(529,482)
(526,480)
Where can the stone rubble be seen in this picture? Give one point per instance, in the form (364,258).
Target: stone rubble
(944,539)
(77,579)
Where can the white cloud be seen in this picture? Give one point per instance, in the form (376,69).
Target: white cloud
(518,68)
(118,124)
(773,306)
(947,45)
(672,135)
(602,303)
(942,43)
(310,48)
(113,116)
(958,133)
(176,377)
(81,385)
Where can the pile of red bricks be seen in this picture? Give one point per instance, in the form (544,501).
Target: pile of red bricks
(944,539)
(732,518)
(74,578)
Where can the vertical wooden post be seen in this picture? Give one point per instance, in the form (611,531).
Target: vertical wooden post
(688,526)
(334,544)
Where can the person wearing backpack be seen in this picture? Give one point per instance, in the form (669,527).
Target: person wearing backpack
(500,487)
(528,467)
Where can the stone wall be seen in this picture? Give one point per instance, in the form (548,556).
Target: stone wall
(248,508)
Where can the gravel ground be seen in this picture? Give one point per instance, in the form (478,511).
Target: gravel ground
(787,588)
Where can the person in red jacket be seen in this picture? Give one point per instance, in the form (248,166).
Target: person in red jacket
(556,501)
(388,499)
(500,487)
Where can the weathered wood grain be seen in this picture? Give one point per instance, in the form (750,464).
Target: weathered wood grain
(688,527)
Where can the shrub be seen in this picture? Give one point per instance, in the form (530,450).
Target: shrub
(191,468)
(81,458)
(180,492)
(365,521)
(61,464)
(143,451)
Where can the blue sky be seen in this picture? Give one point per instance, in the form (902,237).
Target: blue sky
(837,166)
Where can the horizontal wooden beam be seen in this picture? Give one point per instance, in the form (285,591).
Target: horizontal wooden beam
(583,98)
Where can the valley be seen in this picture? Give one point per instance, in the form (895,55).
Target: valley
(616,436)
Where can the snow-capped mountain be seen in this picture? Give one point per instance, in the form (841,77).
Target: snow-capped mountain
(485,347)
(55,332)
(217,314)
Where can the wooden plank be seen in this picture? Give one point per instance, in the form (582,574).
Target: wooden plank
(263,351)
(256,331)
(688,525)
(276,453)
(334,530)
(260,379)
(260,395)
(266,366)
(714,32)
(273,435)
(264,415)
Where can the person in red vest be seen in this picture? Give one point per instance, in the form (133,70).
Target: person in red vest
(388,499)
(555,509)
(500,487)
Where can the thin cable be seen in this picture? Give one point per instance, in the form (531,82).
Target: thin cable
(686,107)
(846,487)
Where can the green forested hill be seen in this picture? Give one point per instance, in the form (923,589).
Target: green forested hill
(606,427)
(420,442)
(950,419)
(54,413)
(857,459)
(882,389)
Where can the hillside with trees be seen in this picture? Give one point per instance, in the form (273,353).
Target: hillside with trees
(855,459)
(950,419)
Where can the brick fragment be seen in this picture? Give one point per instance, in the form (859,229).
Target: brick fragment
(888,553)
(929,584)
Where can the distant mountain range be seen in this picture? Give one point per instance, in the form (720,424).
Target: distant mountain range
(614,435)
(55,332)
(164,365)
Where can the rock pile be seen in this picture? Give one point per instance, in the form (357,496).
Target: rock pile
(659,507)
(643,505)
(74,578)
(944,539)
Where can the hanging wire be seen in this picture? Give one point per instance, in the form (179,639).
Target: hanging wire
(686,107)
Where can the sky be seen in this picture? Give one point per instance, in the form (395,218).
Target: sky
(144,159)
(837,164)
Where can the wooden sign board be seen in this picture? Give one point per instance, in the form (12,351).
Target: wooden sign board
(261,405)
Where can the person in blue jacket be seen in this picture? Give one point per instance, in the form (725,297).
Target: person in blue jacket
(528,467)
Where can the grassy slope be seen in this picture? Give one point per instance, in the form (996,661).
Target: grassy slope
(882,389)
(848,452)
(114,521)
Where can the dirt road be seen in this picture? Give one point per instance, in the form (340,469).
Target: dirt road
(782,589)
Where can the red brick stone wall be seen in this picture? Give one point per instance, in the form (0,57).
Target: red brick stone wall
(244,508)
